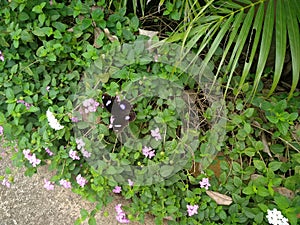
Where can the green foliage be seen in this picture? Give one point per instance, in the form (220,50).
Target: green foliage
(50,49)
(245,29)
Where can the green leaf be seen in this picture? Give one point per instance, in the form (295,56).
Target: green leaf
(218,39)
(282,202)
(92,221)
(26,36)
(14,69)
(42,18)
(84,213)
(294,37)
(47,30)
(273,119)
(112,170)
(23,16)
(283,127)
(2,118)
(280,106)
(280,36)
(38,32)
(236,167)
(265,44)
(172,209)
(248,190)
(237,181)
(86,23)
(274,165)
(234,30)
(239,46)
(60,26)
(166,170)
(9,93)
(259,217)
(134,23)
(249,112)
(78,221)
(259,165)
(262,191)
(293,116)
(39,8)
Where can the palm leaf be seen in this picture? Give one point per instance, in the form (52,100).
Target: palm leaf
(238,48)
(280,36)
(232,22)
(294,40)
(256,30)
(265,44)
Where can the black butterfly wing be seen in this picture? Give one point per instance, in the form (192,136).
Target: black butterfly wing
(121,112)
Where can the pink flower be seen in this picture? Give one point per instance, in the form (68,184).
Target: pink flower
(74,119)
(49,152)
(6,183)
(117,189)
(192,209)
(80,143)
(148,152)
(26,153)
(73,155)
(1,57)
(34,161)
(65,183)
(31,157)
(48,185)
(204,183)
(90,105)
(85,153)
(47,88)
(81,180)
(27,105)
(1,130)
(155,133)
(130,183)
(121,216)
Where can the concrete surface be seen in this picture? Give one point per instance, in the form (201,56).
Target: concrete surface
(27,202)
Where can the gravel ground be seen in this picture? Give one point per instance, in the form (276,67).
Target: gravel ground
(27,202)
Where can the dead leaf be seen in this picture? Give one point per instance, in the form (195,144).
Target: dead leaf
(255,176)
(97,32)
(219,198)
(266,145)
(296,132)
(285,192)
(111,37)
(196,169)
(168,218)
(148,33)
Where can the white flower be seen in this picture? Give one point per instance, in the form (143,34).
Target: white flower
(53,122)
(275,217)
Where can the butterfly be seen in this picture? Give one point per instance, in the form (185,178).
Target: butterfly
(121,111)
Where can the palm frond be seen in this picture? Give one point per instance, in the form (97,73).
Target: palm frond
(280,36)
(246,28)
(294,40)
(265,45)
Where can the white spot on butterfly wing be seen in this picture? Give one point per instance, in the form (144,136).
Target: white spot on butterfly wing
(108,103)
(122,106)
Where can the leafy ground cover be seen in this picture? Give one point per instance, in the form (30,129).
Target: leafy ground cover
(186,153)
